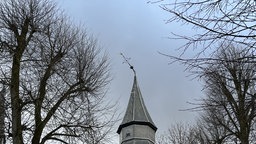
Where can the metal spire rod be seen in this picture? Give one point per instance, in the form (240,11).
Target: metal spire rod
(126,61)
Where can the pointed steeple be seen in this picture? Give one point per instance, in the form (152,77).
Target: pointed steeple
(137,121)
(136,112)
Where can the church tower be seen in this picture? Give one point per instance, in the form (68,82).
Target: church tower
(137,126)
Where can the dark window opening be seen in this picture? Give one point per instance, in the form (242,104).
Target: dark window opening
(128,134)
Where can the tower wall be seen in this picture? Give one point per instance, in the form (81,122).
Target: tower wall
(137,134)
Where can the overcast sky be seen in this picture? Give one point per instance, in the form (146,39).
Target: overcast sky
(139,30)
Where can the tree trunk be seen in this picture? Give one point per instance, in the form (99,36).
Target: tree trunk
(37,135)
(15,101)
(2,116)
(244,137)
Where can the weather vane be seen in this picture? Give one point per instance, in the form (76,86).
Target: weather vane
(127,61)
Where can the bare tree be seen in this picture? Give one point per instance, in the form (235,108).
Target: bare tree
(56,76)
(179,133)
(228,82)
(229,104)
(216,21)
(230,74)
(209,130)
(206,130)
